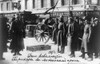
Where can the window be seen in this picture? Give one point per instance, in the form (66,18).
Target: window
(43,3)
(33,3)
(8,6)
(99,2)
(26,1)
(75,2)
(52,3)
(95,2)
(65,2)
(1,6)
(12,6)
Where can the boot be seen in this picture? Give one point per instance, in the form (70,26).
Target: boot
(90,57)
(83,53)
(62,49)
(18,53)
(96,55)
(58,50)
(72,54)
(15,54)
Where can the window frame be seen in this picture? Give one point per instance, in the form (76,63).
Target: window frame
(34,3)
(43,3)
(1,6)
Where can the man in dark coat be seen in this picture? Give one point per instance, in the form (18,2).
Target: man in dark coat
(55,30)
(17,32)
(94,44)
(61,36)
(3,35)
(75,38)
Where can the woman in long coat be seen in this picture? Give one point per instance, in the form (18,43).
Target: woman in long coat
(61,36)
(17,32)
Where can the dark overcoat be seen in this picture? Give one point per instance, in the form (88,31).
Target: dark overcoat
(17,35)
(75,36)
(3,34)
(94,43)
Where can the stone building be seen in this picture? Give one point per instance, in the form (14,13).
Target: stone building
(40,6)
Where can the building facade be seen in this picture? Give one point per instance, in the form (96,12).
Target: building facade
(40,6)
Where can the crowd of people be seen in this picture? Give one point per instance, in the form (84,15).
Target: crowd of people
(84,33)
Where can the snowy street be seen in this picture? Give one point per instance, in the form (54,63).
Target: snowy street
(44,56)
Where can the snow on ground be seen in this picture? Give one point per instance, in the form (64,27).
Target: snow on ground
(35,57)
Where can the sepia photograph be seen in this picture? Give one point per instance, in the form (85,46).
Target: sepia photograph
(49,31)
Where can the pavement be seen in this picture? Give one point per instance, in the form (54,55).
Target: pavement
(44,56)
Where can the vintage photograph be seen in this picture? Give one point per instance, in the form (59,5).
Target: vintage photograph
(49,31)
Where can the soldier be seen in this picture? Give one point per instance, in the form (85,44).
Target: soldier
(61,36)
(74,37)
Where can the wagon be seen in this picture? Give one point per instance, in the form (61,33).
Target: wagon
(43,30)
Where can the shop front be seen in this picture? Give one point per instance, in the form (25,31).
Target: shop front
(79,14)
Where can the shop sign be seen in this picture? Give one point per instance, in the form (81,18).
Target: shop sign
(78,13)
(75,13)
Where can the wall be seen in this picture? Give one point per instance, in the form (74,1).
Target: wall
(38,8)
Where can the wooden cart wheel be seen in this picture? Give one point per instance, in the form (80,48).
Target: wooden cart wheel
(41,35)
